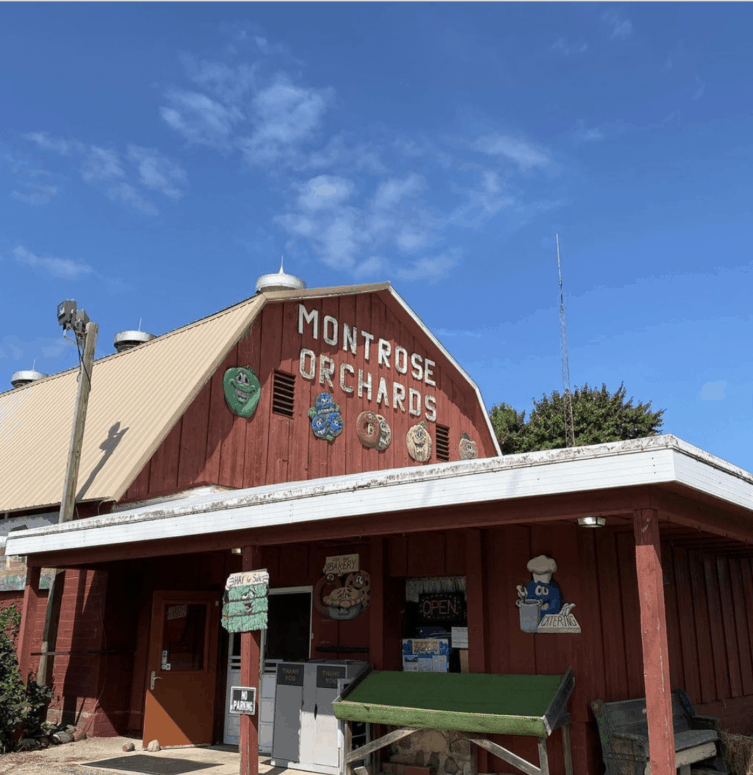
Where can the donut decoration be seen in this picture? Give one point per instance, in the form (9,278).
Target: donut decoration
(467,448)
(335,599)
(373,431)
(385,434)
(367,428)
(326,419)
(419,442)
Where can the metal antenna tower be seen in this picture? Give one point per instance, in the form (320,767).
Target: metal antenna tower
(568,400)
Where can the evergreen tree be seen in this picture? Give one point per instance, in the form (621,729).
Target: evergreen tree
(598,416)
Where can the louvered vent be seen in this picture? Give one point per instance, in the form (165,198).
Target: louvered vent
(443,442)
(283,394)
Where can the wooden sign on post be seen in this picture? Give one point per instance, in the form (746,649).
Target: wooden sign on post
(246,601)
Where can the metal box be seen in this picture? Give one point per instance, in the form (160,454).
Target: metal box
(306,732)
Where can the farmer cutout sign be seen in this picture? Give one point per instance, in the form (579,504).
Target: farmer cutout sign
(542,608)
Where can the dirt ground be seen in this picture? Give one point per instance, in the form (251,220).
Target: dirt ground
(68,759)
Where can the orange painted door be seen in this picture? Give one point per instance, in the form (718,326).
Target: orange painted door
(182,669)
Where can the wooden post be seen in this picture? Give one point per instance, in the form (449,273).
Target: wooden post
(654,637)
(67,503)
(250,655)
(28,620)
(475,591)
(376,604)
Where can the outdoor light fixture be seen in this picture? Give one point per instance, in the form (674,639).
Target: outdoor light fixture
(238,550)
(592,521)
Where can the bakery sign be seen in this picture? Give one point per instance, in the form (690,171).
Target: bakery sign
(408,386)
(341,564)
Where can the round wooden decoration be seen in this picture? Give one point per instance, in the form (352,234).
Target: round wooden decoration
(419,443)
(385,434)
(367,428)
(467,448)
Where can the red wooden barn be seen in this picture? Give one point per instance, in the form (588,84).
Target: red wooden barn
(305,428)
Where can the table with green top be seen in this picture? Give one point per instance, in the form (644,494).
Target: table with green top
(533,705)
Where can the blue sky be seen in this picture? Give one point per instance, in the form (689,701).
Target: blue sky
(156,158)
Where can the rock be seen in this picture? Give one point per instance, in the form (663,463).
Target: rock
(79,734)
(71,728)
(153,746)
(128,747)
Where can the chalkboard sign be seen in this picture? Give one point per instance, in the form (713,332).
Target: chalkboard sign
(441,606)
(289,675)
(243,700)
(328,676)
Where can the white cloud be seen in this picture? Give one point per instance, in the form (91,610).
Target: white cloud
(583,134)
(126,194)
(430,270)
(56,144)
(108,170)
(62,268)
(458,332)
(158,172)
(101,164)
(35,193)
(620,27)
(518,150)
(713,391)
(391,192)
(568,48)
(200,119)
(324,192)
(283,117)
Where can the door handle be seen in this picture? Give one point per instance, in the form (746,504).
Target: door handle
(316,710)
(154,679)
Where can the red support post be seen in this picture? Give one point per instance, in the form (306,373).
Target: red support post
(376,604)
(661,734)
(475,592)
(250,653)
(28,619)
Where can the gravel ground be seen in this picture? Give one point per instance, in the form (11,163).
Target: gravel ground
(68,759)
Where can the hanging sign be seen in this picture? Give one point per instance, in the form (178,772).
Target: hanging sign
(243,700)
(341,564)
(540,602)
(246,601)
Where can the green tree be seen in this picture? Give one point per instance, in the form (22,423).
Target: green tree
(598,416)
(509,425)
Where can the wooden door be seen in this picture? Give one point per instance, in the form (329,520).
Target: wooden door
(182,668)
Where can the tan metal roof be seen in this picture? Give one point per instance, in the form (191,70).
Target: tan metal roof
(136,398)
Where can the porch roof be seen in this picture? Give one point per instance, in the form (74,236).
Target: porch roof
(405,492)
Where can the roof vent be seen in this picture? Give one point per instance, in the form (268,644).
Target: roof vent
(279,282)
(127,340)
(21,378)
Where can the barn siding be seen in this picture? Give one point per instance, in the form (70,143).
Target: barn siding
(209,445)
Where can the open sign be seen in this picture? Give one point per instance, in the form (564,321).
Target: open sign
(441,607)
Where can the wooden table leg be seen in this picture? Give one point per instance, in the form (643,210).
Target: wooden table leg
(567,750)
(543,757)
(345,766)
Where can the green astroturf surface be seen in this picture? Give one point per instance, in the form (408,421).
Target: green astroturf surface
(472,702)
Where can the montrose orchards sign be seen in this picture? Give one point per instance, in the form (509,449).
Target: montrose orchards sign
(408,389)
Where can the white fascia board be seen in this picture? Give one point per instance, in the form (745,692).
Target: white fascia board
(325,500)
(652,460)
(449,357)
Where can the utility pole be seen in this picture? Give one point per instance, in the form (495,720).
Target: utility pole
(567,398)
(76,320)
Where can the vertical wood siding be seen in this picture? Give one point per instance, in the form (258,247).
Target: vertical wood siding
(210,445)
